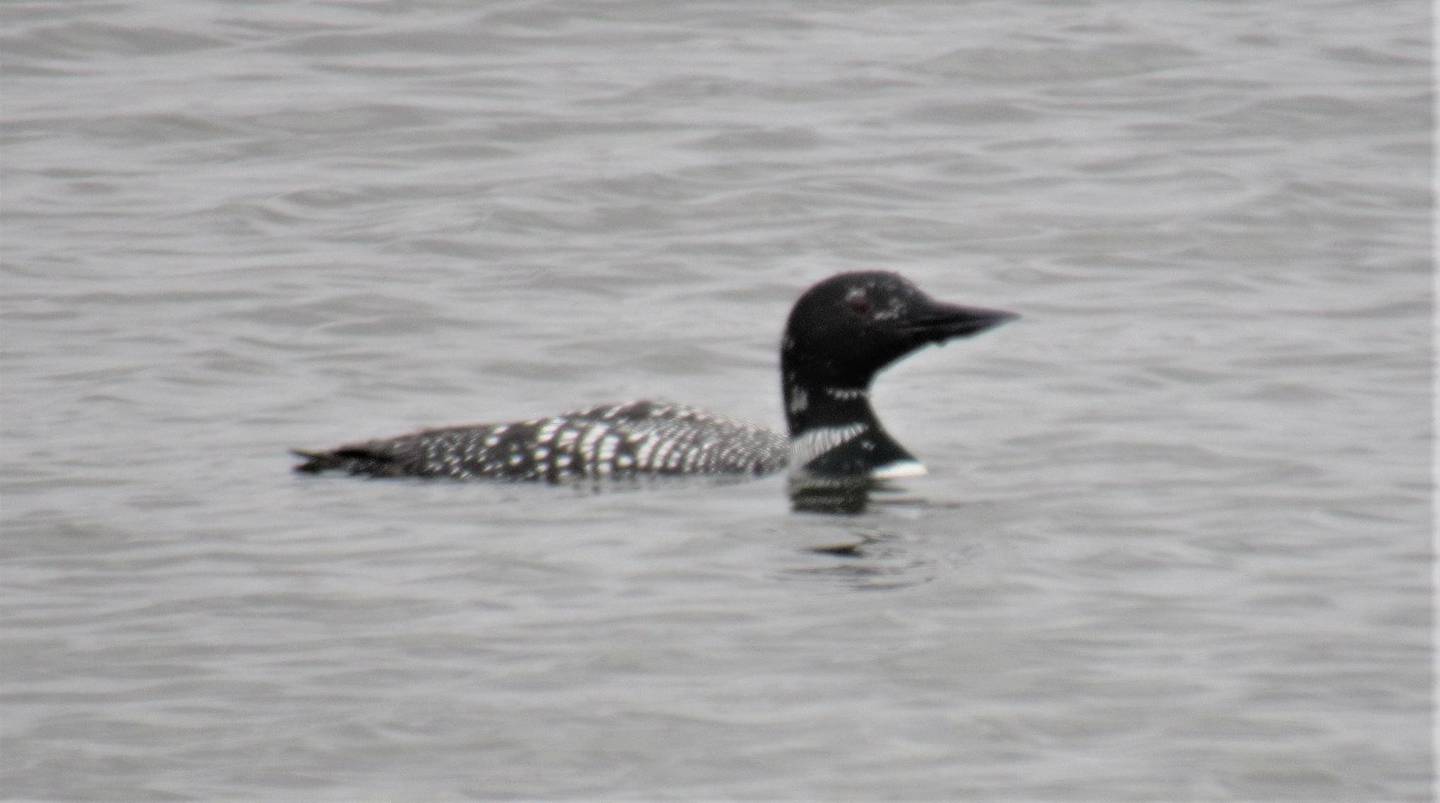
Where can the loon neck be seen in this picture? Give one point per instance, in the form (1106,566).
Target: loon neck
(809,407)
(834,432)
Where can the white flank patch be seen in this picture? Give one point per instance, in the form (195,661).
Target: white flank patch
(898,469)
(810,444)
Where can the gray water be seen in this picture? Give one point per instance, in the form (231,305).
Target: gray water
(1175,542)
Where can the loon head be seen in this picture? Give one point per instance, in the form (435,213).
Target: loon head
(840,334)
(844,330)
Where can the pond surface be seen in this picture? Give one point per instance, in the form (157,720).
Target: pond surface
(1175,542)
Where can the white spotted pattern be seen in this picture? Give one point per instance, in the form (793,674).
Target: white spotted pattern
(612,440)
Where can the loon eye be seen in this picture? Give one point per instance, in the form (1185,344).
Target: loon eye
(860,303)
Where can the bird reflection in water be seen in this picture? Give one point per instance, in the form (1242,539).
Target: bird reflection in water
(836,495)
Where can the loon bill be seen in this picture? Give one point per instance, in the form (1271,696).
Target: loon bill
(840,334)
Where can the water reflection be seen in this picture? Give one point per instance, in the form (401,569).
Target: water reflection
(849,496)
(843,497)
(876,562)
(835,495)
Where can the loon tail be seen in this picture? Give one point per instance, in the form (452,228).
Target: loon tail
(352,460)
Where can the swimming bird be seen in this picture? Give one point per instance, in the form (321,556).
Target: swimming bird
(840,334)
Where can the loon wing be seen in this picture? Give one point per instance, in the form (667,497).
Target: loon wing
(610,440)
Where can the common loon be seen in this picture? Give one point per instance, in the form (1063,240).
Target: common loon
(840,333)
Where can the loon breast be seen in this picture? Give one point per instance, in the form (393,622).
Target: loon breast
(605,441)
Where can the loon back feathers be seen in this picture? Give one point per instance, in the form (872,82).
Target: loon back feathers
(840,334)
(641,438)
